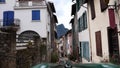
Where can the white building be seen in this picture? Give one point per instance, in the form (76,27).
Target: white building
(32,15)
(83,33)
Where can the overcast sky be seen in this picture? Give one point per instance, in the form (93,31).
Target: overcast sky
(63,11)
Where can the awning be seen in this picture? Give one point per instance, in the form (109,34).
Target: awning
(73,9)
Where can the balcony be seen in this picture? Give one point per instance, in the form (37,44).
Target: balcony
(29,4)
(13,26)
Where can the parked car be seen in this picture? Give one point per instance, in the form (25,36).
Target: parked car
(86,65)
(95,65)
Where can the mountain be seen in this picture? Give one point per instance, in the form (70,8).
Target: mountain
(61,30)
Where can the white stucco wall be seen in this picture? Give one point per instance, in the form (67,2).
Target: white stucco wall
(25,17)
(26,23)
(100,23)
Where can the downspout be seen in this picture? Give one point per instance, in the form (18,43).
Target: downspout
(118,24)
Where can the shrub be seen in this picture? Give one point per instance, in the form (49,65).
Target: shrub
(54,57)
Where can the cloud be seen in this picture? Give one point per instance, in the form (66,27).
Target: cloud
(63,11)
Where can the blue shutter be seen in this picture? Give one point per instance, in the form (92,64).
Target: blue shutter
(8,18)
(35,14)
(5,18)
(2,0)
(85,50)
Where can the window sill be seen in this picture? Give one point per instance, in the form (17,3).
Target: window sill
(35,20)
(2,2)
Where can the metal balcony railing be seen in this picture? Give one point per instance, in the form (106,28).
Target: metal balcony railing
(16,24)
(29,3)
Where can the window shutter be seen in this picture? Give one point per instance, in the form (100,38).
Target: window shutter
(87,55)
(2,0)
(81,23)
(78,4)
(85,20)
(112,18)
(5,17)
(93,15)
(98,43)
(35,14)
(85,50)
(8,18)
(103,5)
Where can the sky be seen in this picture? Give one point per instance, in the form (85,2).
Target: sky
(63,12)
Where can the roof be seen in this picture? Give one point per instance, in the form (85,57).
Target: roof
(55,18)
(72,20)
(73,11)
(52,6)
(69,31)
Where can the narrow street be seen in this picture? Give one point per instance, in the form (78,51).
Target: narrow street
(59,33)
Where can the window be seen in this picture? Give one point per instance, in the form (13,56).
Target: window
(35,14)
(2,1)
(98,43)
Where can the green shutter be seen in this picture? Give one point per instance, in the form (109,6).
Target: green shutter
(78,4)
(79,24)
(85,18)
(82,26)
(83,21)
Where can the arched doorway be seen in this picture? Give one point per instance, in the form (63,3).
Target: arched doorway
(31,54)
(28,35)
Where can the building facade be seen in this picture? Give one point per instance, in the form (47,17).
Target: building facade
(83,31)
(32,22)
(101,31)
(104,32)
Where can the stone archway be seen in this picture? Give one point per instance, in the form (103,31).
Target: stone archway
(27,35)
(31,54)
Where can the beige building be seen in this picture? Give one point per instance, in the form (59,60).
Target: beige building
(100,29)
(104,25)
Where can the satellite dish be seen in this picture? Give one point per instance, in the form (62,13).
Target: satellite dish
(106,1)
